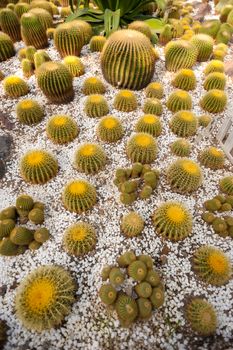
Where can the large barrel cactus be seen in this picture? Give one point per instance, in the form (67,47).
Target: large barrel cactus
(127,60)
(9,23)
(32,31)
(68,39)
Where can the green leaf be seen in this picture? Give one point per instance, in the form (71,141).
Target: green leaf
(111,21)
(161,4)
(156,25)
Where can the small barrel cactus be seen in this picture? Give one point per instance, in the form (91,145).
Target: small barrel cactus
(27,68)
(74,65)
(204,44)
(40,57)
(126,308)
(153,106)
(212,158)
(214,66)
(62,129)
(97,43)
(108,294)
(210,27)
(36,216)
(184,124)
(85,28)
(6,226)
(185,79)
(142,27)
(68,39)
(184,175)
(181,148)
(142,148)
(116,277)
(226,185)
(79,239)
(110,129)
(38,167)
(90,158)
(155,90)
(8,248)
(15,87)
(93,85)
(218,55)
(9,24)
(212,265)
(204,120)
(41,235)
(179,100)
(32,31)
(56,82)
(132,224)
(42,4)
(137,270)
(214,101)
(165,34)
(96,106)
(173,221)
(79,196)
(134,73)
(29,112)
(180,54)
(150,124)
(125,101)
(21,235)
(215,80)
(8,213)
(6,47)
(24,202)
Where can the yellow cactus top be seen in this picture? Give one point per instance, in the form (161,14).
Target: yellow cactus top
(190,167)
(77,187)
(176,214)
(78,233)
(35,158)
(218,262)
(40,295)
(143,140)
(110,122)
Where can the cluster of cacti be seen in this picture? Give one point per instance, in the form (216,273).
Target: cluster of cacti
(29,112)
(79,239)
(62,129)
(38,166)
(185,79)
(74,65)
(90,158)
(44,17)
(214,101)
(15,86)
(44,297)
(79,196)
(110,129)
(212,265)
(148,288)
(32,31)
(155,90)
(179,100)
(172,220)
(68,39)
(214,66)
(204,44)
(125,101)
(96,106)
(153,106)
(97,43)
(6,47)
(137,71)
(55,81)
(184,123)
(142,147)
(226,185)
(15,240)
(149,123)
(184,175)
(215,80)
(181,148)
(180,54)
(9,24)
(132,224)
(212,158)
(142,27)
(201,316)
(137,182)
(93,85)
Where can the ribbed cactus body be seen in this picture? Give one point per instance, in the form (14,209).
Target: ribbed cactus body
(40,57)
(226,185)
(214,101)
(153,106)
(180,54)
(32,31)
(6,47)
(212,158)
(210,27)
(62,129)
(97,43)
(215,80)
(14,86)
(204,44)
(214,66)
(96,106)
(68,39)
(179,100)
(44,17)
(21,8)
(141,27)
(90,158)
(29,112)
(150,124)
(142,148)
(43,4)
(75,65)
(185,79)
(79,239)
(85,28)
(184,124)
(166,34)
(110,129)
(56,82)
(127,60)
(27,68)
(9,24)
(125,101)
(180,148)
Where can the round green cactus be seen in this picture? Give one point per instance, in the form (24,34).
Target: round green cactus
(226,185)
(97,43)
(34,245)
(149,123)
(32,31)
(41,235)
(132,224)
(153,106)
(42,4)
(212,158)
(15,87)
(56,82)
(9,24)
(90,158)
(204,44)
(68,39)
(116,277)
(29,112)
(79,196)
(143,289)
(8,248)
(137,270)
(185,79)
(6,47)
(180,54)
(56,289)
(21,8)
(214,101)
(157,297)
(165,34)
(21,235)
(204,120)
(184,175)
(173,221)
(96,106)
(27,68)
(126,308)
(181,148)
(155,90)
(38,167)
(215,80)
(179,100)
(110,129)
(184,123)
(201,316)
(107,294)
(8,213)
(62,129)
(40,57)
(36,216)
(85,28)
(50,33)
(144,308)
(142,27)
(214,66)
(142,148)
(6,226)
(137,71)
(93,85)
(44,17)
(218,55)
(230,17)
(212,265)
(79,239)
(125,101)
(24,202)
(74,65)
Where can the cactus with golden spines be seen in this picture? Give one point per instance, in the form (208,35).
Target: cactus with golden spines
(43,4)
(204,44)
(180,54)
(44,17)
(21,8)
(92,86)
(9,24)
(125,101)
(165,35)
(184,123)
(27,68)
(55,81)
(90,158)
(61,129)
(15,86)
(29,112)
(226,185)
(85,28)
(214,66)
(155,90)
(137,71)
(68,39)
(96,106)
(110,129)
(40,57)
(6,47)
(149,123)
(141,27)
(153,106)
(212,158)
(97,43)
(215,80)
(75,65)
(142,148)
(179,100)
(214,101)
(181,148)
(185,79)
(32,31)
